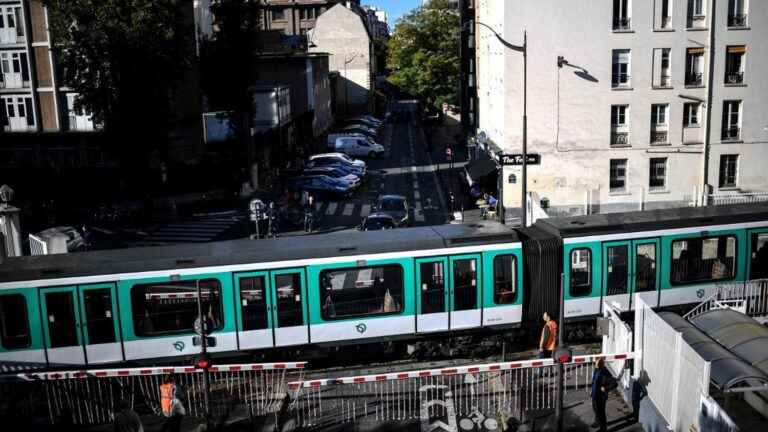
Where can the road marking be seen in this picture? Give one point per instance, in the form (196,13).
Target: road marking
(348,209)
(331,209)
(419,213)
(416,194)
(366,210)
(421,168)
(415,184)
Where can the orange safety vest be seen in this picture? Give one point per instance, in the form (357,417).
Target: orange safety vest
(167,392)
(549,344)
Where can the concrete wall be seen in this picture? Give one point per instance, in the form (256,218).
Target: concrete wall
(341,33)
(569,114)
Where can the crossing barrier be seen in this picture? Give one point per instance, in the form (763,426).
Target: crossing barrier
(497,391)
(88,397)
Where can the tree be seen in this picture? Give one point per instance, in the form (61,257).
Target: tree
(424,53)
(125,59)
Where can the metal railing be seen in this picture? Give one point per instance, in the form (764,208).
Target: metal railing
(734,77)
(696,21)
(737,20)
(620,80)
(659,137)
(731,133)
(619,138)
(694,79)
(665,81)
(749,297)
(622,23)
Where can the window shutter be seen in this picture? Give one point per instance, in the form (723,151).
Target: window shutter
(699,50)
(24,67)
(30,113)
(3,113)
(741,49)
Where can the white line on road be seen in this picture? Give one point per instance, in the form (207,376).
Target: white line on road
(331,209)
(348,209)
(366,210)
(421,168)
(416,194)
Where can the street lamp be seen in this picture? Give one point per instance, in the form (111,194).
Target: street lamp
(522,49)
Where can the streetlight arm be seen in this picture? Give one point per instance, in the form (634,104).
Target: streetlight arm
(504,42)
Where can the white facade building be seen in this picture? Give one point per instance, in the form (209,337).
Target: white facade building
(660,98)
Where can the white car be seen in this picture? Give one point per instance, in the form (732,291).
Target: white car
(340,158)
(355,145)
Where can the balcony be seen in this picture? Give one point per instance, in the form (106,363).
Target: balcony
(734,77)
(620,80)
(697,22)
(731,133)
(738,20)
(659,137)
(8,83)
(694,80)
(665,81)
(11,36)
(619,139)
(622,24)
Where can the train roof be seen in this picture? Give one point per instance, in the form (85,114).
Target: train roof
(651,220)
(244,251)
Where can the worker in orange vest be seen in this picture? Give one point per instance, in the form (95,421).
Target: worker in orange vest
(170,404)
(548,340)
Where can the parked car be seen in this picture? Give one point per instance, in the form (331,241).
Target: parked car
(321,185)
(325,159)
(377,221)
(363,122)
(354,145)
(368,118)
(335,171)
(360,129)
(395,206)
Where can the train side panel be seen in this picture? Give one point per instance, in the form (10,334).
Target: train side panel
(21,341)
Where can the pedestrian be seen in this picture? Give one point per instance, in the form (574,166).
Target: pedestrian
(126,419)
(548,340)
(171,405)
(309,214)
(600,387)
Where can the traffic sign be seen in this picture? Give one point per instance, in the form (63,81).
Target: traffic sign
(517,159)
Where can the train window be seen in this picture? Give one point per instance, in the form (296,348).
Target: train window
(98,315)
(645,267)
(703,259)
(14,324)
(288,289)
(432,287)
(253,300)
(581,272)
(504,280)
(464,284)
(171,307)
(617,271)
(361,291)
(759,266)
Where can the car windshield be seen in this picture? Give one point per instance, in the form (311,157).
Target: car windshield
(392,204)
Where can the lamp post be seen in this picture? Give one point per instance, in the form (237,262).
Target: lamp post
(524,50)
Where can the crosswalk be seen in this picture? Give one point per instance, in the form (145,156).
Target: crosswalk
(356,210)
(200,229)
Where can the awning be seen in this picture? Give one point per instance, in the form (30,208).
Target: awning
(695,50)
(739,49)
(479,168)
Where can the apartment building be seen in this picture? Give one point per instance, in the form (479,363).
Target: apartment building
(297,17)
(32,98)
(655,101)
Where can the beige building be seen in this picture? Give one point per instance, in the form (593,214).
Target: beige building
(297,17)
(659,100)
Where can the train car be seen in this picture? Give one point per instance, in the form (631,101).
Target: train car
(140,305)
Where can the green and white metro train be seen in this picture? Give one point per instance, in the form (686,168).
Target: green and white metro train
(139,305)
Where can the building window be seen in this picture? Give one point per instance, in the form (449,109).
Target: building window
(734,64)
(659,114)
(171,307)
(504,280)
(619,115)
(79,120)
(14,323)
(662,73)
(14,70)
(737,13)
(691,114)
(621,14)
(619,129)
(731,120)
(729,165)
(278,14)
(697,260)
(694,67)
(16,114)
(696,14)
(620,75)
(581,272)
(361,292)
(657,179)
(618,175)
(666,14)
(11,25)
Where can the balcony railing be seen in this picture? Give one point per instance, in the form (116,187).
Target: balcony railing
(731,133)
(738,20)
(619,139)
(665,81)
(622,23)
(697,21)
(666,22)
(620,80)
(734,77)
(695,79)
(659,137)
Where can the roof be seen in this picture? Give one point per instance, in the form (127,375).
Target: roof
(478,168)
(245,251)
(612,223)
(727,370)
(737,332)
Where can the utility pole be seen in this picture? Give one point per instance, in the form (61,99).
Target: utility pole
(560,366)
(525,130)
(202,331)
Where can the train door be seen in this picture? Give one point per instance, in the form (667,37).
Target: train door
(289,316)
(630,267)
(464,293)
(62,326)
(431,295)
(254,320)
(757,265)
(99,325)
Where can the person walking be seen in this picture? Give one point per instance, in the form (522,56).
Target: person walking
(171,405)
(600,387)
(309,216)
(126,419)
(548,340)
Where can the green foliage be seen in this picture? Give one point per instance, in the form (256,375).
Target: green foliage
(123,58)
(424,53)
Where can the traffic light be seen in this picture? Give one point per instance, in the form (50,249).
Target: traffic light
(563,355)
(203,361)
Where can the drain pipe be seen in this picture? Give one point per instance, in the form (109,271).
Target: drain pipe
(708,121)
